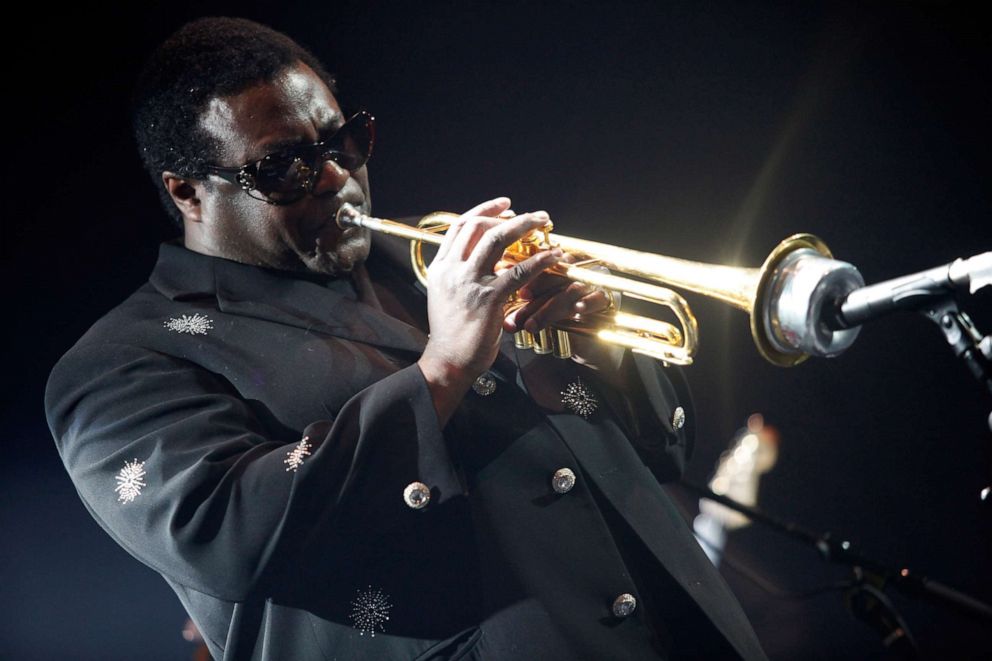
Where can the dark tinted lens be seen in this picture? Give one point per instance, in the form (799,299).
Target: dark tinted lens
(285,176)
(351,146)
(288,175)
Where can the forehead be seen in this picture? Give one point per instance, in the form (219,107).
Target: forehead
(293,107)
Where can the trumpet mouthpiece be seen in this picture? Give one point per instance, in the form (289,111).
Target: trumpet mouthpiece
(348,216)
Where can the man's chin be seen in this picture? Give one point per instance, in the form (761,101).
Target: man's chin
(341,258)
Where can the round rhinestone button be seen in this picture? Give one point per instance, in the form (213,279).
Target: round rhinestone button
(563,480)
(416,495)
(484,385)
(624,605)
(678,418)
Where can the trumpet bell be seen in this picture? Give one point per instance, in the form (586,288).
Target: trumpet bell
(796,290)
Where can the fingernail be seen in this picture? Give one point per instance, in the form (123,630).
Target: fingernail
(530,326)
(580,306)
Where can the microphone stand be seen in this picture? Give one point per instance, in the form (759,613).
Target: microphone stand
(932,293)
(866,598)
(964,339)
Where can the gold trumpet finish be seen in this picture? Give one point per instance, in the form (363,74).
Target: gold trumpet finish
(743,288)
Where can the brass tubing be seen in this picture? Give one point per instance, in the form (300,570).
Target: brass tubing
(744,288)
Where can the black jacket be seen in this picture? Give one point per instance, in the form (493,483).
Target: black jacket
(250,434)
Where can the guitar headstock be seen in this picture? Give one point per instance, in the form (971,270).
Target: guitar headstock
(751,454)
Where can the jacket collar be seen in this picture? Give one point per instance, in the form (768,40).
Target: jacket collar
(311,303)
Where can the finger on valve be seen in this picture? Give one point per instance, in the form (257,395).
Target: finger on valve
(493,244)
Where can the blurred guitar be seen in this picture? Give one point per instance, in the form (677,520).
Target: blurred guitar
(751,454)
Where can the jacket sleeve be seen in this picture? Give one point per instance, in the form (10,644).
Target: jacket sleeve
(174,464)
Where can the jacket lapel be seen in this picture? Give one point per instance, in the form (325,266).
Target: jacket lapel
(280,297)
(620,474)
(628,484)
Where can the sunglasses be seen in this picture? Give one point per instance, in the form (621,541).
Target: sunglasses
(288,175)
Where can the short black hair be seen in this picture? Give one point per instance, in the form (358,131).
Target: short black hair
(204,59)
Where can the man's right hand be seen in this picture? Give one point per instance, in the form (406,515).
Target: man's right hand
(465,298)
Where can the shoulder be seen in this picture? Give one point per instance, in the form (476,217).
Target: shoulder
(149,319)
(144,324)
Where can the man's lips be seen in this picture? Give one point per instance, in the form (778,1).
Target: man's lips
(327,218)
(331,235)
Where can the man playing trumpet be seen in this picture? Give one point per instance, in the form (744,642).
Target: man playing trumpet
(321,462)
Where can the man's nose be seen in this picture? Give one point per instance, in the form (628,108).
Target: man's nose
(331,178)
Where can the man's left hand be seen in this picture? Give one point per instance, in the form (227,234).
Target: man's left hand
(550,298)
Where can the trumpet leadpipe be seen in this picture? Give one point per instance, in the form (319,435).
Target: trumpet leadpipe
(349,216)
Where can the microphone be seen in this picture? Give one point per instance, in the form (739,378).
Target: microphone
(911,292)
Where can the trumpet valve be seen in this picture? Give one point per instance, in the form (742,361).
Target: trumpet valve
(534,242)
(561,344)
(551,341)
(542,342)
(523,340)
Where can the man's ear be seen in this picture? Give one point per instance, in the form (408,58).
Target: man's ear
(185,193)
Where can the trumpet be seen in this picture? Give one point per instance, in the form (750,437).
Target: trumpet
(788,299)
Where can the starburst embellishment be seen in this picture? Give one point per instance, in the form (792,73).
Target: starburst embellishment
(192,324)
(294,458)
(369,610)
(579,399)
(129,481)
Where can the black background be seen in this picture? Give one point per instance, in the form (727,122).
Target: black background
(702,130)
